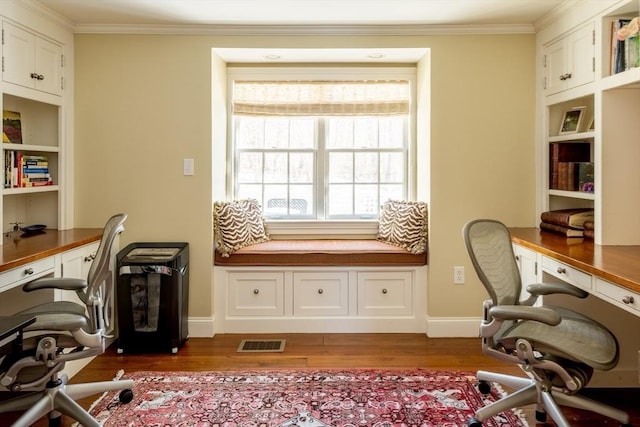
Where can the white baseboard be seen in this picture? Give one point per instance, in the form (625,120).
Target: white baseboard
(201,327)
(453,327)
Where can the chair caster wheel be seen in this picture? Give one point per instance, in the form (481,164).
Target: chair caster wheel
(484,387)
(541,416)
(126,396)
(474,423)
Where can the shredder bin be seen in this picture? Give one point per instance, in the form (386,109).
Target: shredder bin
(153,296)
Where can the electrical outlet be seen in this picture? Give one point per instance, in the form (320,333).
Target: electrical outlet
(458,275)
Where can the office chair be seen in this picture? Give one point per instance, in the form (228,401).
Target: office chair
(64,331)
(557,348)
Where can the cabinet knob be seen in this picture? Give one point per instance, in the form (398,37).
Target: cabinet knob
(40,77)
(628,299)
(384,290)
(320,291)
(28,271)
(561,270)
(34,76)
(90,258)
(565,76)
(256,291)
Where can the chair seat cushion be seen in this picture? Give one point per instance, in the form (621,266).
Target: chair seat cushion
(57,316)
(576,338)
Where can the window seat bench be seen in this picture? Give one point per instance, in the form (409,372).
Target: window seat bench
(321,252)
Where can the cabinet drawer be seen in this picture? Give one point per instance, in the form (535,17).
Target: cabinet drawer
(320,294)
(566,273)
(26,273)
(621,297)
(255,294)
(385,293)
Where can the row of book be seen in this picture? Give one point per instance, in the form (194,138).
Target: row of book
(23,170)
(625,53)
(570,167)
(577,222)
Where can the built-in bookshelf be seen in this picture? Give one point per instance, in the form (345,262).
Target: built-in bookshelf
(34,183)
(26,199)
(605,142)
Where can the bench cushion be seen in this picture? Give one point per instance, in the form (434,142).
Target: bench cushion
(321,252)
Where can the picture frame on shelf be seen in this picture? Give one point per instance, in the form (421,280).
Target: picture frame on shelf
(571,120)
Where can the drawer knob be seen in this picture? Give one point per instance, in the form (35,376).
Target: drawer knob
(561,270)
(320,291)
(384,290)
(90,258)
(28,271)
(256,291)
(628,299)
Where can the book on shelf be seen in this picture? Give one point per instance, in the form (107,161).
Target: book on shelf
(22,170)
(561,174)
(585,177)
(559,229)
(571,218)
(11,127)
(625,46)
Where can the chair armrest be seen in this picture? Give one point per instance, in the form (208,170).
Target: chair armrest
(519,312)
(556,288)
(65,283)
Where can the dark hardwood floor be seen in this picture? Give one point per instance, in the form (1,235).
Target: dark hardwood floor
(335,351)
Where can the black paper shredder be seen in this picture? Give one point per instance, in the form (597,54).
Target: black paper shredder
(153,297)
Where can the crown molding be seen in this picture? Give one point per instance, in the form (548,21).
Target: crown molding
(37,8)
(329,30)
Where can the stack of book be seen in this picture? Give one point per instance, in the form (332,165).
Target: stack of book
(570,168)
(589,228)
(625,48)
(568,222)
(22,170)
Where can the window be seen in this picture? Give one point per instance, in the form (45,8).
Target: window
(329,148)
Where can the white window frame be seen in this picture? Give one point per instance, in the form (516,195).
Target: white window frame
(355,227)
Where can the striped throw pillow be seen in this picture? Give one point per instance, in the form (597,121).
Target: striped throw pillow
(237,224)
(404,224)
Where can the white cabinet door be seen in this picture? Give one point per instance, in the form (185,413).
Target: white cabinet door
(528,265)
(76,264)
(255,294)
(388,293)
(30,60)
(320,294)
(569,62)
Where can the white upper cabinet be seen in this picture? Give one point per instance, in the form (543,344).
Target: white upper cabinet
(31,61)
(570,61)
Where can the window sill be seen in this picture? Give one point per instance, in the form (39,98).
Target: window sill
(314,227)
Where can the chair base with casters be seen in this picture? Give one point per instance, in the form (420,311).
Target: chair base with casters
(59,398)
(526,391)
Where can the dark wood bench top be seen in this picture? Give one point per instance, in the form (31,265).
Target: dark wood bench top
(321,252)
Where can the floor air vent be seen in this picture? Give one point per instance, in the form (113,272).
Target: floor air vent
(261,346)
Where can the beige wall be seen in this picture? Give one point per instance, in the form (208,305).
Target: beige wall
(143,103)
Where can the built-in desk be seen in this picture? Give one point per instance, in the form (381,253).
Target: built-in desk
(16,250)
(26,258)
(612,272)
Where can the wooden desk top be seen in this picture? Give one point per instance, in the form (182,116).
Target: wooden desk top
(617,264)
(16,251)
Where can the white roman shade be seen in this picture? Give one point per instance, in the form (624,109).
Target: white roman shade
(321,98)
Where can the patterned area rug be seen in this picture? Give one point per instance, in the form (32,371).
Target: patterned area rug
(339,398)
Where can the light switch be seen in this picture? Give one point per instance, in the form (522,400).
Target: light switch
(188,167)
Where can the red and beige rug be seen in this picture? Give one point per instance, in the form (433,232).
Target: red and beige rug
(339,398)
